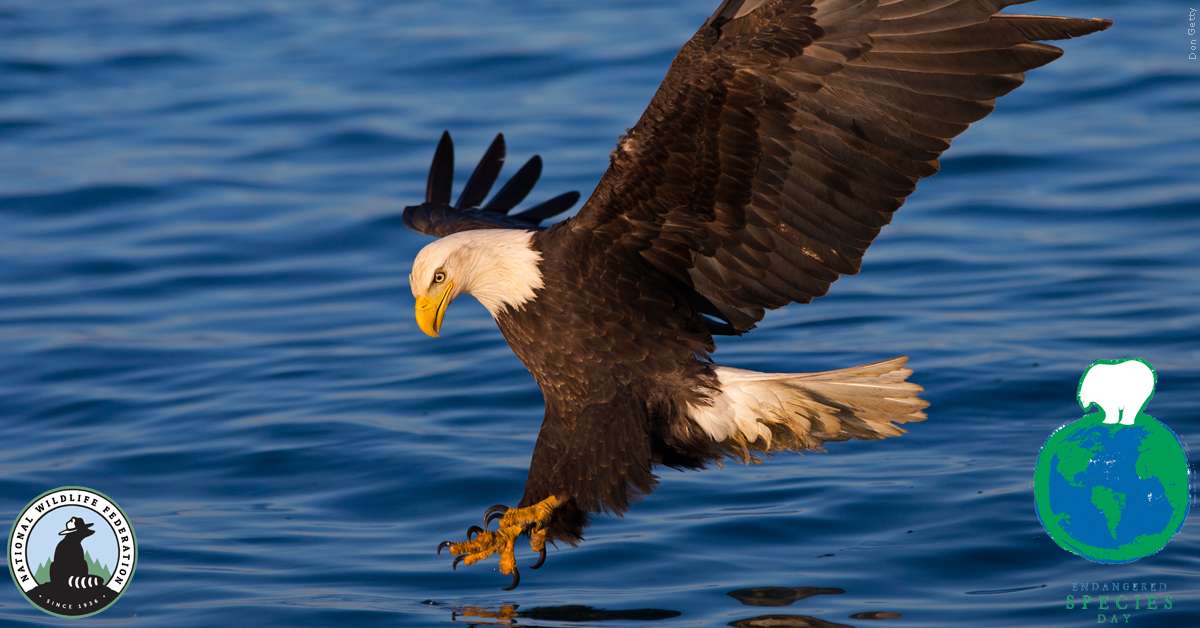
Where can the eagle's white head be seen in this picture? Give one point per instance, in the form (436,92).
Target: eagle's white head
(499,267)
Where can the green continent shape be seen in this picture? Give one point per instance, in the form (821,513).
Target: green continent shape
(1159,457)
(1111,504)
(1074,459)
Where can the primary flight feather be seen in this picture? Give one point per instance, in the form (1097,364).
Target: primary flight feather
(782,139)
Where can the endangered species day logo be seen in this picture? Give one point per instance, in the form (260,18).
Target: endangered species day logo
(72,551)
(1114,486)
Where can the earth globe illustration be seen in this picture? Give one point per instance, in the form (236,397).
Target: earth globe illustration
(1113,489)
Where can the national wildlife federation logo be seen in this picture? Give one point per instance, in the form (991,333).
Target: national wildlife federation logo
(1113,486)
(72,551)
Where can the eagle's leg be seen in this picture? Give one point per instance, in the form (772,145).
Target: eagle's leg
(513,523)
(537,542)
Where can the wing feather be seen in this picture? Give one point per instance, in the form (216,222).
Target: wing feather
(787,132)
(517,188)
(484,176)
(437,217)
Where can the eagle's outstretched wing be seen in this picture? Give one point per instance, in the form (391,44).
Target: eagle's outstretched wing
(787,132)
(437,217)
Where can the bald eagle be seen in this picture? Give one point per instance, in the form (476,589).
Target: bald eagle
(783,138)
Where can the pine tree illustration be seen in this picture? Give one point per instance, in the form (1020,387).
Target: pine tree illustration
(42,575)
(96,568)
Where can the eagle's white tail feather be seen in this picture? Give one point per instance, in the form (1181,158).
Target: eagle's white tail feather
(798,411)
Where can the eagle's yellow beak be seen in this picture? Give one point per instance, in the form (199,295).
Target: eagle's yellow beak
(431,310)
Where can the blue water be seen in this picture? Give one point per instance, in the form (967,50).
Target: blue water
(204,314)
(1146,510)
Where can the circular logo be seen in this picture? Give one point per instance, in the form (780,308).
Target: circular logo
(1113,486)
(72,551)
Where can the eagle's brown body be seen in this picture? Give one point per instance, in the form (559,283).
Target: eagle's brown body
(615,396)
(781,141)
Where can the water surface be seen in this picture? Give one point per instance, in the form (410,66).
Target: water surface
(204,314)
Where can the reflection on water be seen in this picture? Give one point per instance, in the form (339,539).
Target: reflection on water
(512,615)
(508,614)
(876,615)
(786,621)
(780,596)
(786,596)
(1007,590)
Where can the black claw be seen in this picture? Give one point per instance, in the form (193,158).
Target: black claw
(457,559)
(541,559)
(441,546)
(473,531)
(516,580)
(495,512)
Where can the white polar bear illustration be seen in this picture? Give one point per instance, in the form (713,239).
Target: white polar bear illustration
(1121,389)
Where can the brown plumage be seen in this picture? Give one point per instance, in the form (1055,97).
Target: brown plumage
(783,138)
(781,141)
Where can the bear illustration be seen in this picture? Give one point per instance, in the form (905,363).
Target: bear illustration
(69,567)
(1121,389)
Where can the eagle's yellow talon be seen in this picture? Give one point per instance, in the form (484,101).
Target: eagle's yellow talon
(493,513)
(537,540)
(514,522)
(537,543)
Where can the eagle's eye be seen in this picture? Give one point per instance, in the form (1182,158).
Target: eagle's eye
(439,277)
